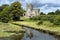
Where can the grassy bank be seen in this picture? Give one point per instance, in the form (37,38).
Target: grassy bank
(47,26)
(8,29)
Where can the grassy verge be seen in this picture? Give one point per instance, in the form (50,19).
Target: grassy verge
(8,29)
(47,26)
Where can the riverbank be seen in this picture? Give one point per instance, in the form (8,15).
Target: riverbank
(46,27)
(9,31)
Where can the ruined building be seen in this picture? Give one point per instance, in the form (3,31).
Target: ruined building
(30,11)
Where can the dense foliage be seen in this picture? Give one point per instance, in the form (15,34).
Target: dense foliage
(12,12)
(4,15)
(16,10)
(57,20)
(53,17)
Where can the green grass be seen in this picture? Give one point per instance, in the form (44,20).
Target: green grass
(4,27)
(45,26)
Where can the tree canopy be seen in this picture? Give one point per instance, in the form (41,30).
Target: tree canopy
(12,12)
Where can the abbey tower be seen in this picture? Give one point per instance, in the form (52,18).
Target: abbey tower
(30,11)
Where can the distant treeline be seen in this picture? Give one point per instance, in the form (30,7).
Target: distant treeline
(53,17)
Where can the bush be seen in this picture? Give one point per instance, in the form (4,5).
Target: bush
(40,17)
(50,18)
(5,19)
(4,15)
(35,18)
(40,22)
(43,17)
(57,20)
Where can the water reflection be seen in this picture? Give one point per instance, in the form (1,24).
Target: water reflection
(36,35)
(29,34)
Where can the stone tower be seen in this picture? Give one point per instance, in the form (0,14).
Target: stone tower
(30,11)
(29,8)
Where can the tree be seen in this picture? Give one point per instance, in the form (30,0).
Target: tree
(42,13)
(57,12)
(16,10)
(11,12)
(51,13)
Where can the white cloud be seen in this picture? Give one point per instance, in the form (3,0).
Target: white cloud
(49,1)
(47,9)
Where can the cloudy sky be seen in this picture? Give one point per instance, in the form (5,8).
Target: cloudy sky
(44,5)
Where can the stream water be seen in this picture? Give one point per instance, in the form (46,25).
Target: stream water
(37,35)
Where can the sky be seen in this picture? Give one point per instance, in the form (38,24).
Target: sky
(44,5)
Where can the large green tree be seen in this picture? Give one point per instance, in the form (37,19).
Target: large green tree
(12,12)
(16,10)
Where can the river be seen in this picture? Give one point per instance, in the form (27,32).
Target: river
(37,35)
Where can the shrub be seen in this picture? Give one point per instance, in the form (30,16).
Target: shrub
(5,19)
(50,18)
(57,20)
(35,18)
(40,22)
(43,17)
(40,17)
(4,15)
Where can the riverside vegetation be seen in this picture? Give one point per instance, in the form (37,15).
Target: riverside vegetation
(8,14)
(10,31)
(46,23)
